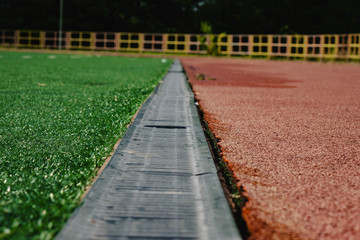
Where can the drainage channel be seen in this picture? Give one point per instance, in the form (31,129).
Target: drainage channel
(161,182)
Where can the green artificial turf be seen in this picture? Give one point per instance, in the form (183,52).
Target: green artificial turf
(60,116)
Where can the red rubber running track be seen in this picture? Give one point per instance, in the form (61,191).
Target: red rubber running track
(290,132)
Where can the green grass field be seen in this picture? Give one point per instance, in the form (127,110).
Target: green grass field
(60,116)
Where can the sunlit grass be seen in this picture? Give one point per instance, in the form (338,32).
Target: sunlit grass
(60,116)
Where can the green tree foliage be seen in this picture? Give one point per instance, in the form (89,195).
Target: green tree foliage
(185,16)
(282,16)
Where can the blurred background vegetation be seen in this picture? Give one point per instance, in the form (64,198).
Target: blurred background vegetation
(185,16)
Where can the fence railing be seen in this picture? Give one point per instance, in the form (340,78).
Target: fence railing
(324,46)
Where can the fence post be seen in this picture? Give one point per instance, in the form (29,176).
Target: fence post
(336,52)
(269,45)
(322,47)
(164,43)
(17,34)
(67,42)
(92,41)
(42,39)
(306,46)
(229,44)
(250,50)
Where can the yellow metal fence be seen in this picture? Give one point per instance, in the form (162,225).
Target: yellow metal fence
(324,46)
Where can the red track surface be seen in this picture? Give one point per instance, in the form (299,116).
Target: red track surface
(290,132)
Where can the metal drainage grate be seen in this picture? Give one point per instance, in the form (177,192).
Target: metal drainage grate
(166,126)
